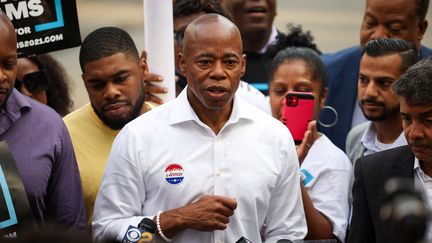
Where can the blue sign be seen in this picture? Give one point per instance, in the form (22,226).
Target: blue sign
(15,213)
(11,218)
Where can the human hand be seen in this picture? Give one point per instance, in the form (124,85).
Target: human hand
(309,138)
(207,214)
(151,90)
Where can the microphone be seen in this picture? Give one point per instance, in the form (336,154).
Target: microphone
(404,211)
(145,232)
(243,240)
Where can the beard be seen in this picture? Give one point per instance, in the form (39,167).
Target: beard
(119,123)
(383,115)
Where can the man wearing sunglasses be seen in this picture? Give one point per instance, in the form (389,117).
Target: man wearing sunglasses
(40,146)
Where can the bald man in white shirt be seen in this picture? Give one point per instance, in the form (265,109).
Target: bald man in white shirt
(210,167)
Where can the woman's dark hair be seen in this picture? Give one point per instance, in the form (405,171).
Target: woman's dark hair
(58,84)
(297,46)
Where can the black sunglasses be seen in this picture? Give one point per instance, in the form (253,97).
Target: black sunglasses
(34,82)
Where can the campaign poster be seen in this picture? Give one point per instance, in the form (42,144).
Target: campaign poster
(43,25)
(15,213)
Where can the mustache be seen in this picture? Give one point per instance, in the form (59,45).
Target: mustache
(418,143)
(371,102)
(4,90)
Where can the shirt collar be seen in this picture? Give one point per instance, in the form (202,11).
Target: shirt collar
(271,40)
(401,140)
(368,139)
(182,110)
(15,105)
(416,164)
(417,169)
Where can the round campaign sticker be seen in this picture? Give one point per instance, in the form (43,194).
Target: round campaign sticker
(174,174)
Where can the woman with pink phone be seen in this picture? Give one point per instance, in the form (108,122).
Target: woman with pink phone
(297,93)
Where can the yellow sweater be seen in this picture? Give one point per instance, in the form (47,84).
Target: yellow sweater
(92,141)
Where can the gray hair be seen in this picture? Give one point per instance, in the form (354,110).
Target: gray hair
(415,85)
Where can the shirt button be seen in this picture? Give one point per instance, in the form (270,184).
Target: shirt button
(218,174)
(218,241)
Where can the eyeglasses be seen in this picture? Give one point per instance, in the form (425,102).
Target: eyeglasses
(34,82)
(179,37)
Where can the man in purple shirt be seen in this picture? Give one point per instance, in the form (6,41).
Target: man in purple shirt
(40,145)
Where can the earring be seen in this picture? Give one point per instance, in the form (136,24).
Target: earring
(335,115)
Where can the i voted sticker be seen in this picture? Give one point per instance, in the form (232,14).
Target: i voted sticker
(174,174)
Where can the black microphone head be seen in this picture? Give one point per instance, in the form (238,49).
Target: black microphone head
(148,224)
(243,240)
(404,211)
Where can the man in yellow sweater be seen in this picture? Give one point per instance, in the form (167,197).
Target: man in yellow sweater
(113,74)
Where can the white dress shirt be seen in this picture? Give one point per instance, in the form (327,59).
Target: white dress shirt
(167,158)
(253,96)
(370,141)
(423,183)
(327,175)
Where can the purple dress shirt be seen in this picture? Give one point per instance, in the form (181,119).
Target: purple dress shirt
(44,156)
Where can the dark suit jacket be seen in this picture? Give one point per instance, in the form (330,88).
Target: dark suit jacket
(370,173)
(342,74)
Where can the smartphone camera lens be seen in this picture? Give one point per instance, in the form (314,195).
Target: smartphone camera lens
(292,101)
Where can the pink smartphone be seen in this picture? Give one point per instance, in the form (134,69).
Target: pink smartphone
(297,113)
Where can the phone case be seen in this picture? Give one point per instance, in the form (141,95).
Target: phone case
(297,113)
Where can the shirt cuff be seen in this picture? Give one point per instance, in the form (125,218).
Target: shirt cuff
(134,221)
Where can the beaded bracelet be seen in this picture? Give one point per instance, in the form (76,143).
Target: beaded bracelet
(159,228)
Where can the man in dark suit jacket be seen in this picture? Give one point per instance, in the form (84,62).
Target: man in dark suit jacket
(412,161)
(382,19)
(371,173)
